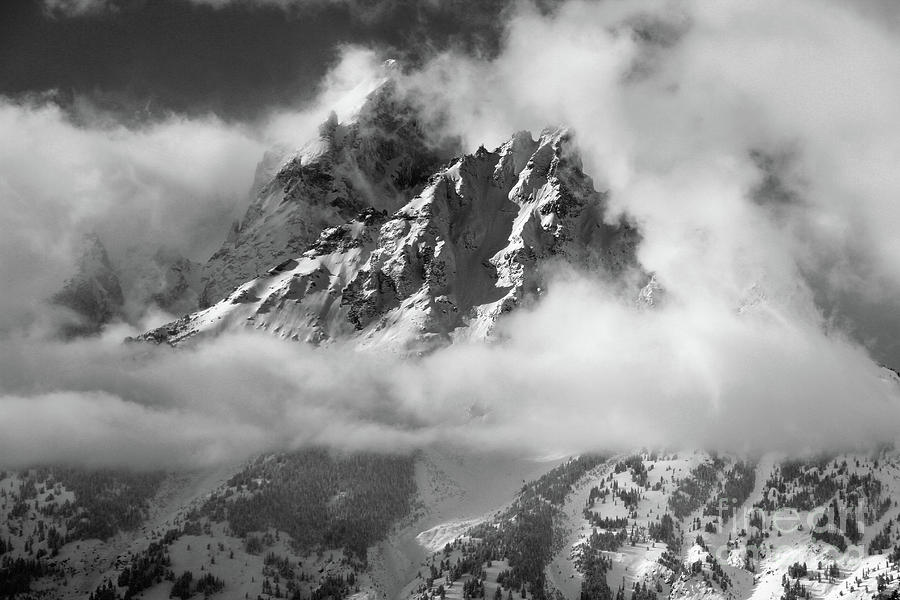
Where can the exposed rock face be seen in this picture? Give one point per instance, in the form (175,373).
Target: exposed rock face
(164,279)
(93,294)
(377,160)
(470,247)
(101,291)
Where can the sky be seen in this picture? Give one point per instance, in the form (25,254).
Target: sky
(237,59)
(753,144)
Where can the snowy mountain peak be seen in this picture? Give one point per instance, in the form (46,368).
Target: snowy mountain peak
(471,246)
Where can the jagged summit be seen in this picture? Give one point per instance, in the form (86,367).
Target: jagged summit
(444,265)
(103,290)
(379,158)
(93,294)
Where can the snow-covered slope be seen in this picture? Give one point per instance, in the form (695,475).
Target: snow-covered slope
(468,248)
(300,298)
(687,526)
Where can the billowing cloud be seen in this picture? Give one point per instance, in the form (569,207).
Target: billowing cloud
(680,109)
(172,184)
(581,371)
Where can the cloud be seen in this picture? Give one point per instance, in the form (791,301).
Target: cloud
(177,183)
(76,7)
(586,370)
(343,90)
(583,370)
(144,406)
(172,183)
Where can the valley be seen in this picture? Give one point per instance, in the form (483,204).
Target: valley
(650,525)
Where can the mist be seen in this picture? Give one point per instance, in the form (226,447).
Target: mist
(752,144)
(172,184)
(581,371)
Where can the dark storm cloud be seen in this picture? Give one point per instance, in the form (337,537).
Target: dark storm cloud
(237,59)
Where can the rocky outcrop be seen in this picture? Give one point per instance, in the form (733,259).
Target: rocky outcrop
(651,295)
(473,245)
(93,296)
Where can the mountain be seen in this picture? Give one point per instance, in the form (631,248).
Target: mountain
(94,294)
(374,232)
(471,246)
(104,290)
(164,279)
